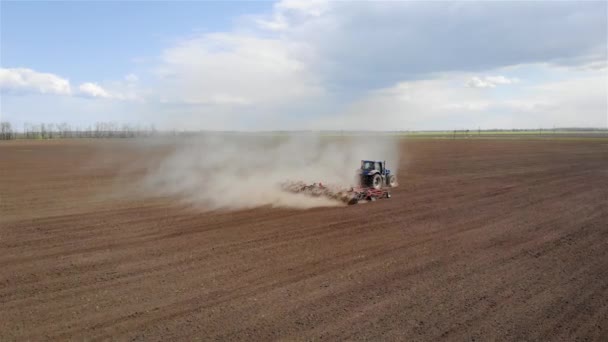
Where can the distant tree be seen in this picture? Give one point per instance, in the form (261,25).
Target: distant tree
(43,133)
(6,131)
(62,130)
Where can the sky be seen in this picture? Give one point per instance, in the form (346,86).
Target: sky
(290,64)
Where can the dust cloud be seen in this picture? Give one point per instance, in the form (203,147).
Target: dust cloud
(241,171)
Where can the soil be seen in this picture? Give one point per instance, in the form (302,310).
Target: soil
(482,240)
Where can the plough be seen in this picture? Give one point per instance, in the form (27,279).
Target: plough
(348,196)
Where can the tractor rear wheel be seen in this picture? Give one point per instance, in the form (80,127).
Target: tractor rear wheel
(377,181)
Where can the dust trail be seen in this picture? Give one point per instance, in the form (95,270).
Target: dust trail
(239,171)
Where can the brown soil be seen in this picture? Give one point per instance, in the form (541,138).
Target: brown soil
(483,240)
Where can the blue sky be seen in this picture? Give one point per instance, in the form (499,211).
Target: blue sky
(306,64)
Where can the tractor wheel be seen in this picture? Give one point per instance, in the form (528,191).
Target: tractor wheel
(392,181)
(377,181)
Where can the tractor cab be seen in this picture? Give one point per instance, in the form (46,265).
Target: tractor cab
(370,167)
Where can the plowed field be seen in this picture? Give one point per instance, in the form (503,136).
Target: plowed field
(484,240)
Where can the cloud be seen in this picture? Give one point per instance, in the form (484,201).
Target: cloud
(413,105)
(93,90)
(369,45)
(489,81)
(234,69)
(579,100)
(23,80)
(287,12)
(441,103)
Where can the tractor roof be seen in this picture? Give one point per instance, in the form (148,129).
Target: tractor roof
(371,161)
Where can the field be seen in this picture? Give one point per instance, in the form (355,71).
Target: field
(488,239)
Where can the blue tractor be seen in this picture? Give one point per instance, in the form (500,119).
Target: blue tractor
(374,174)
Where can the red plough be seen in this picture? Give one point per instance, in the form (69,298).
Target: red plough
(346,195)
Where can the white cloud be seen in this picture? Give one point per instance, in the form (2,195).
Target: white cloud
(93,90)
(234,69)
(580,100)
(30,81)
(277,23)
(286,13)
(576,100)
(489,81)
(25,81)
(414,105)
(233,81)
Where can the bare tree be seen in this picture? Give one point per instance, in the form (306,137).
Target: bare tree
(62,130)
(6,131)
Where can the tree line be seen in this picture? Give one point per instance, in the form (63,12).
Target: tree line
(66,131)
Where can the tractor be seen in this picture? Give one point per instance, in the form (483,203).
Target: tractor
(374,174)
